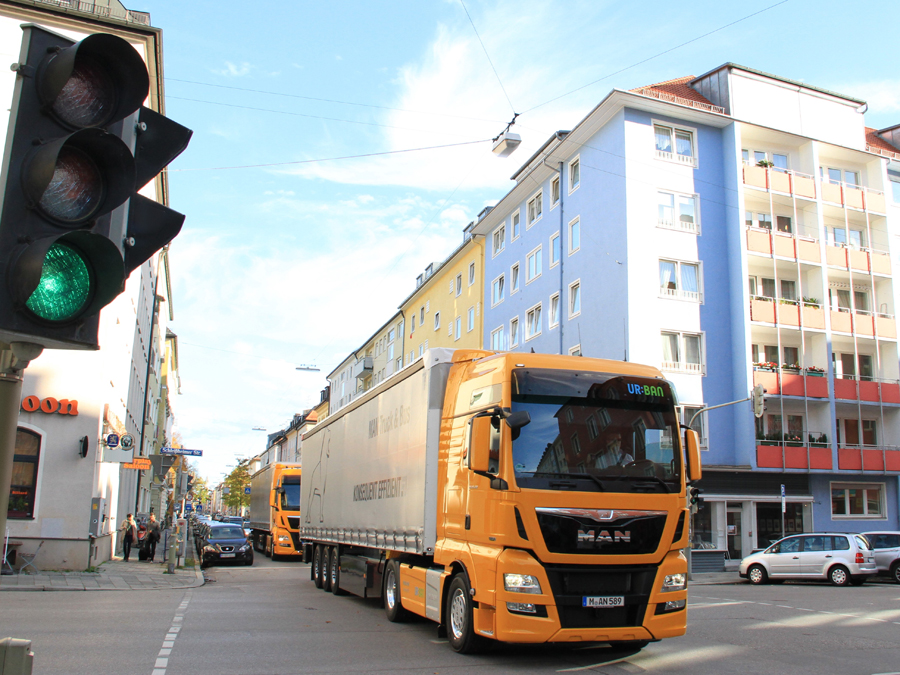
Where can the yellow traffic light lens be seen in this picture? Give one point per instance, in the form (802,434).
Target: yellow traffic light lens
(75,190)
(65,286)
(88,97)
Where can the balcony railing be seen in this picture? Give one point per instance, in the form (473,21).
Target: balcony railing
(672,98)
(679,366)
(783,244)
(853,196)
(679,293)
(780,180)
(669,222)
(804,450)
(675,157)
(787,312)
(878,458)
(98,10)
(780,381)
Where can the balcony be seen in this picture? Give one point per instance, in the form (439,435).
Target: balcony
(810,382)
(858,259)
(866,389)
(783,245)
(793,452)
(864,324)
(869,458)
(853,196)
(362,368)
(787,312)
(780,180)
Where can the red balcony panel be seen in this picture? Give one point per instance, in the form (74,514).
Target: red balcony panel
(795,458)
(853,197)
(768,380)
(804,187)
(845,389)
(892,460)
(873,460)
(868,391)
(769,456)
(779,181)
(836,256)
(859,260)
(820,458)
(813,317)
(808,251)
(864,324)
(792,384)
(832,193)
(762,310)
(758,241)
(784,245)
(816,387)
(874,201)
(789,315)
(755,176)
(850,459)
(881,263)
(890,392)
(841,322)
(887,326)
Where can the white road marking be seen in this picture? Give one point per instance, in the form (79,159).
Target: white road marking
(162,659)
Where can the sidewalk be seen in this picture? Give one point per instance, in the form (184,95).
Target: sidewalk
(113,575)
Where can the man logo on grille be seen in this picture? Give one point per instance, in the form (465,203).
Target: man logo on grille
(604,537)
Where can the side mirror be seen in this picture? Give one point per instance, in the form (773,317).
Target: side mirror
(518,419)
(692,454)
(480,444)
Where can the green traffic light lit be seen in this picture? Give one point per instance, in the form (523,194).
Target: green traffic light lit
(65,286)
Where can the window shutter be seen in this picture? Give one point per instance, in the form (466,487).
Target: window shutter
(477,309)
(428,305)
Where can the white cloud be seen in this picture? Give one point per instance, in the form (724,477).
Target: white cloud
(883,96)
(232,70)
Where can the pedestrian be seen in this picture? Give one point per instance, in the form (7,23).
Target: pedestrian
(129,532)
(152,537)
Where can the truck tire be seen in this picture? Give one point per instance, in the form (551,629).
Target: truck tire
(327,554)
(335,573)
(317,565)
(393,608)
(458,617)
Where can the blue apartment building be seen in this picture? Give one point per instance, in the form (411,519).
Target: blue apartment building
(733,229)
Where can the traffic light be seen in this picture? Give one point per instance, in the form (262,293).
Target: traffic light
(696,501)
(79,147)
(759,402)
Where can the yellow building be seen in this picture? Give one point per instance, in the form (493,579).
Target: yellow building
(443,311)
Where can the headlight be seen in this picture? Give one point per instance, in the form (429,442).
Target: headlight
(244,548)
(521,583)
(522,607)
(283,537)
(674,582)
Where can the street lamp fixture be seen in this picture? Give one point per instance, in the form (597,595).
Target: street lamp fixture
(258,429)
(311,369)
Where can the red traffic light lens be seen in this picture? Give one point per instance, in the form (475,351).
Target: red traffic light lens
(87,98)
(76,187)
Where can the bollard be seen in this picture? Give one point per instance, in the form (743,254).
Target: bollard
(16,657)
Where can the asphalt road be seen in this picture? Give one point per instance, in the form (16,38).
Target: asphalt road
(269,619)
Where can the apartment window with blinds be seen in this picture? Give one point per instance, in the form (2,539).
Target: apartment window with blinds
(682,352)
(497,339)
(574,235)
(574,298)
(533,322)
(514,278)
(679,280)
(675,144)
(677,212)
(535,208)
(554,310)
(554,191)
(498,290)
(514,333)
(515,225)
(574,174)
(499,239)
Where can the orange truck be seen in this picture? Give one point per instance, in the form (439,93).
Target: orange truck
(275,510)
(507,496)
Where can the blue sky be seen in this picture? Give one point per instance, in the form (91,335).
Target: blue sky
(300,261)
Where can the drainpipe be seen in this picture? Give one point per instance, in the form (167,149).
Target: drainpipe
(153,322)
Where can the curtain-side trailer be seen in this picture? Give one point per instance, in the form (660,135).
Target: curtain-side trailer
(509,496)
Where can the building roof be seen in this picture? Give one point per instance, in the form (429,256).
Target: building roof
(876,143)
(678,87)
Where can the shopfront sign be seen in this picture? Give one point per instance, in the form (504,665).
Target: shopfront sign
(50,405)
(139,463)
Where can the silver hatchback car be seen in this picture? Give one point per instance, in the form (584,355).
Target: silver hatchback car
(839,558)
(886,547)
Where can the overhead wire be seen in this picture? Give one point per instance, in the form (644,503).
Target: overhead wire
(499,81)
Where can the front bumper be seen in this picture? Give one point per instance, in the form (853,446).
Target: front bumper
(231,556)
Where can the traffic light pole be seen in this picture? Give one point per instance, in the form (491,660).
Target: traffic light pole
(14,358)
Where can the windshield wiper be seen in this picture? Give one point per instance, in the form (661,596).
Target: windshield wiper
(573,475)
(653,478)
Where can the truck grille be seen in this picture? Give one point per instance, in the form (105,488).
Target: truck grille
(295,539)
(601,532)
(571,583)
(294,522)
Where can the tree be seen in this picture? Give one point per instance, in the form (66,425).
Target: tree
(236,481)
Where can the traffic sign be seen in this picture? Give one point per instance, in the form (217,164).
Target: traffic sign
(181,451)
(247,490)
(188,506)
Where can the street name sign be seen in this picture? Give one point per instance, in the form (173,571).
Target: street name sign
(181,451)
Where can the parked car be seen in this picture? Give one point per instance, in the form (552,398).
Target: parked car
(886,546)
(225,542)
(837,557)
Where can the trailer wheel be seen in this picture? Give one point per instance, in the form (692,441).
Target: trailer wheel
(336,573)
(392,605)
(317,565)
(458,617)
(327,555)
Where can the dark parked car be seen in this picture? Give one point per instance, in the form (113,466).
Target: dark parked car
(224,542)
(886,546)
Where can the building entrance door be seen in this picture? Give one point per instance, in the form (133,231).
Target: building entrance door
(733,531)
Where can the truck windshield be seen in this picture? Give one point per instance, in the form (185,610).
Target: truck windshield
(290,498)
(595,432)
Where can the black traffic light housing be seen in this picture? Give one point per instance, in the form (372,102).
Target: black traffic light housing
(695,499)
(79,147)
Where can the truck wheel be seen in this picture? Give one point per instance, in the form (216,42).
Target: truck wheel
(392,605)
(317,566)
(327,554)
(267,549)
(458,619)
(336,573)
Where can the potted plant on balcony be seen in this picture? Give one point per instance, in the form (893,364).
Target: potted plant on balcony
(765,164)
(790,367)
(788,301)
(820,441)
(793,440)
(766,365)
(812,302)
(815,371)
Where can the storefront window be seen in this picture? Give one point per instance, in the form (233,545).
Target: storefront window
(24,474)
(768,522)
(850,501)
(703,536)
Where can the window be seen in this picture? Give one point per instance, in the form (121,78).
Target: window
(535,208)
(499,239)
(514,333)
(515,225)
(437,320)
(895,189)
(554,191)
(421,349)
(422,316)
(471,275)
(391,335)
(458,285)
(674,144)
(677,212)
(23,486)
(687,412)
(399,365)
(783,224)
(412,324)
(850,500)
(574,298)
(682,352)
(497,339)
(837,176)
(574,235)
(838,236)
(458,326)
(533,322)
(498,290)
(574,174)
(575,351)
(471,322)
(554,250)
(533,265)
(848,432)
(390,351)
(679,280)
(554,310)
(514,278)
